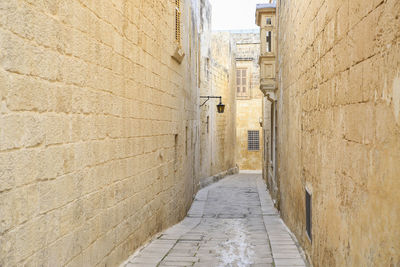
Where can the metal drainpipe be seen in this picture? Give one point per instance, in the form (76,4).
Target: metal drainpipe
(270,99)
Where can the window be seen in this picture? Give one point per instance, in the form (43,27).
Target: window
(186,141)
(269,21)
(241,82)
(176,153)
(178,21)
(308,214)
(269,42)
(253,140)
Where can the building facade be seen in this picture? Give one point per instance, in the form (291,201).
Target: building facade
(218,131)
(266,20)
(249,99)
(100,126)
(338,129)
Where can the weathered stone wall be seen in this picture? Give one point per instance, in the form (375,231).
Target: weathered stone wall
(217,78)
(207,116)
(223,72)
(266,150)
(99,128)
(339,128)
(249,108)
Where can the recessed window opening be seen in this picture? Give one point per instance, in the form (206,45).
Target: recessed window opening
(253,140)
(241,82)
(269,41)
(308,214)
(176,153)
(186,141)
(269,21)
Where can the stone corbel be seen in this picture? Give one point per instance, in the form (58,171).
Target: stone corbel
(178,55)
(267,89)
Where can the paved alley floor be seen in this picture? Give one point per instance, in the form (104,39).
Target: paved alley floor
(231,223)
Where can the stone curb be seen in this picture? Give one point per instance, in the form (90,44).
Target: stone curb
(215,178)
(282,241)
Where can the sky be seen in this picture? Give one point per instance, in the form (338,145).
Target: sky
(234,14)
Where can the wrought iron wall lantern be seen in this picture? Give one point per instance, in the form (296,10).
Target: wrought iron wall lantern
(220,106)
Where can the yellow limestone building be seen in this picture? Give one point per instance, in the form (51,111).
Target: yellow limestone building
(336,152)
(266,20)
(248,101)
(100,125)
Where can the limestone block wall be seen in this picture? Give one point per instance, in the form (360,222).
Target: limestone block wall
(207,116)
(249,107)
(248,114)
(218,131)
(223,84)
(99,127)
(247,44)
(339,128)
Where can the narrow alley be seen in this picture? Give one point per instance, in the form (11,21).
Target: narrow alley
(231,223)
(217,133)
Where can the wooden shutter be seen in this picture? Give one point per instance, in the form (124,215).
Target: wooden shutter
(241,82)
(244,81)
(178,21)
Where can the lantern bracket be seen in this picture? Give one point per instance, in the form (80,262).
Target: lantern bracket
(209,97)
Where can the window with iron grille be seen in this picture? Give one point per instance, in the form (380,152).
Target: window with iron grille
(253,140)
(178,21)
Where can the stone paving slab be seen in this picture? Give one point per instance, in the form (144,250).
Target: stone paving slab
(231,223)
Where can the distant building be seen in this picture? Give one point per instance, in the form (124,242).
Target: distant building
(249,136)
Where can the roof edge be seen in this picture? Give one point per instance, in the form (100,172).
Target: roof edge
(261,6)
